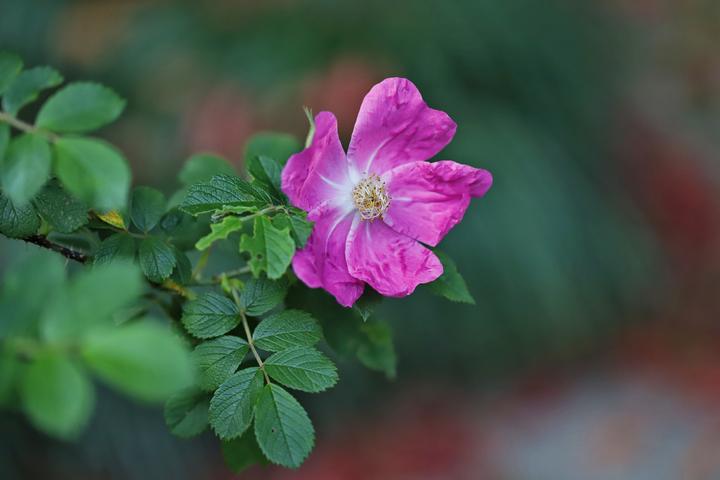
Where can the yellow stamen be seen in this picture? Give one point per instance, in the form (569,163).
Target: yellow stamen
(370,197)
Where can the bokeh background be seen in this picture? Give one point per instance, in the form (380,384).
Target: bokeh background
(593,351)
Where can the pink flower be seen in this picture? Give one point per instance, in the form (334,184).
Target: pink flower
(374,207)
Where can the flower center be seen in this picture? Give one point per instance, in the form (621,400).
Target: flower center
(370,197)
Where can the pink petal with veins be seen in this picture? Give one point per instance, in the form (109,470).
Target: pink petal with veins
(395,126)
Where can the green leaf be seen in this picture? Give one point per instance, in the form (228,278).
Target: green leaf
(142,359)
(296,221)
(183,268)
(369,341)
(302,368)
(217,359)
(287,329)
(266,172)
(26,87)
(203,167)
(57,396)
(28,278)
(80,107)
(10,67)
(90,300)
(261,295)
(4,140)
(147,208)
(242,452)
(376,351)
(94,171)
(210,315)
(25,168)
(271,249)
(119,246)
(157,259)
(186,413)
(220,231)
(232,405)
(451,284)
(17,222)
(278,146)
(63,212)
(366,304)
(10,368)
(282,427)
(220,191)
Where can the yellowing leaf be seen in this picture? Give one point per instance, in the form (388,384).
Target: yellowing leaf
(114,218)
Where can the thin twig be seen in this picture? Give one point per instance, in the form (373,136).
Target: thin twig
(26,127)
(42,241)
(248,334)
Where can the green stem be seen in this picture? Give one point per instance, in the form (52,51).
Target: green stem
(26,127)
(248,335)
(270,209)
(215,279)
(201,264)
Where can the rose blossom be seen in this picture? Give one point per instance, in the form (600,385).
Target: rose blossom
(375,207)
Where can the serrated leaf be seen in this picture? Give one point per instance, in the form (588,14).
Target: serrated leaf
(203,167)
(184,229)
(186,413)
(232,405)
(142,359)
(25,168)
(26,87)
(242,452)
(90,300)
(94,171)
(220,231)
(114,218)
(80,107)
(287,329)
(17,222)
(261,295)
(119,246)
(302,368)
(271,249)
(223,190)
(147,208)
(63,212)
(282,427)
(296,221)
(217,359)
(183,268)
(278,146)
(266,172)
(10,67)
(210,315)
(157,259)
(451,284)
(57,395)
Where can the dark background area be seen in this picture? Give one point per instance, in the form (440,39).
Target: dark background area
(592,350)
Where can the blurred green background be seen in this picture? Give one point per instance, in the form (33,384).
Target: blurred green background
(599,239)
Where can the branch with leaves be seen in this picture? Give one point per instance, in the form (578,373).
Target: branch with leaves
(139,313)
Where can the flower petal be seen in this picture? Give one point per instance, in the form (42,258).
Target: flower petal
(428,199)
(322,262)
(320,172)
(395,126)
(389,262)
